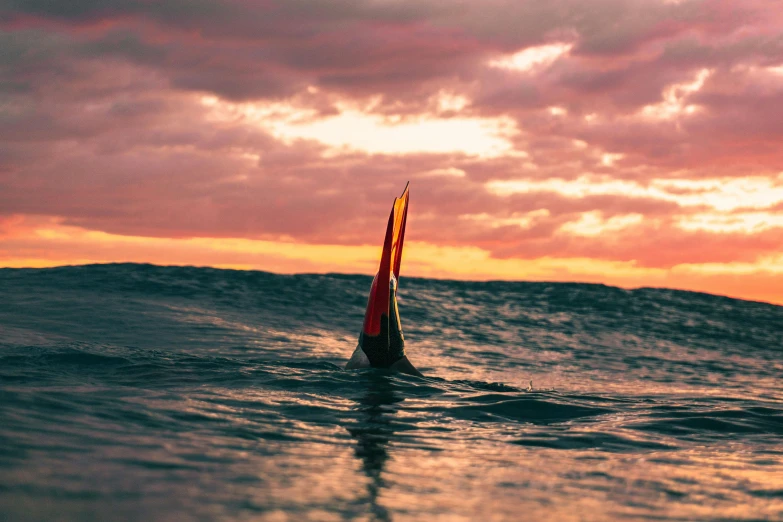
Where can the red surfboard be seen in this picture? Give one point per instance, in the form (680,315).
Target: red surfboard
(379,338)
(391,258)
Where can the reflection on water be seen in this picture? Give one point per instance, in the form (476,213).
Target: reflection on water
(373,431)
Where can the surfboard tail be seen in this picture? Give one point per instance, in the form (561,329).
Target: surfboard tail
(380,305)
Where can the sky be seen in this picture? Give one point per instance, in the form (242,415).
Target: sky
(631,143)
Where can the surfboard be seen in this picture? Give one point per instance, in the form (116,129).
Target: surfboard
(391,259)
(381,343)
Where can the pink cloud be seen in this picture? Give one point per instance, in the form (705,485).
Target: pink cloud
(103,127)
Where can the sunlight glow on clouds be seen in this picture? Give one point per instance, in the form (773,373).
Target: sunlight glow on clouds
(355,130)
(746,192)
(352,129)
(422,259)
(451,102)
(520,219)
(746,222)
(593,224)
(771,264)
(557,111)
(449,171)
(531,58)
(722,195)
(608,158)
(675,98)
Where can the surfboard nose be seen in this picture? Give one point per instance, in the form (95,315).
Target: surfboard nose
(389,269)
(381,338)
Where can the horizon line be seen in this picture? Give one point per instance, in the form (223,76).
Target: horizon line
(523,281)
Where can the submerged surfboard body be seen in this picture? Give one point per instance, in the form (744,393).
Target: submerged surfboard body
(381,343)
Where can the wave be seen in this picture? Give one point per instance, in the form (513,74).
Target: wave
(217,393)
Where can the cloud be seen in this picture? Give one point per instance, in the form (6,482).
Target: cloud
(621,131)
(353,129)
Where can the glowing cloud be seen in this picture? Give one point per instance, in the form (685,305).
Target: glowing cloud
(722,195)
(675,99)
(521,219)
(56,244)
(449,102)
(532,58)
(746,222)
(448,172)
(593,223)
(353,129)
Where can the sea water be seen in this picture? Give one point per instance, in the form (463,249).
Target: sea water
(137,392)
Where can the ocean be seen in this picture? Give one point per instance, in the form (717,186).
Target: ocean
(140,392)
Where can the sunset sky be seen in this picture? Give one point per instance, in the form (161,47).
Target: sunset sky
(633,143)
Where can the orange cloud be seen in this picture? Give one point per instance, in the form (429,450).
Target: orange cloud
(47,243)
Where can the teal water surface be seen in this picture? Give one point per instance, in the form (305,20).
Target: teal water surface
(137,392)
